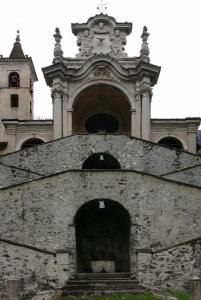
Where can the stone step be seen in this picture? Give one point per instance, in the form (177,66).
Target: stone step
(102,275)
(97,292)
(104,286)
(101,283)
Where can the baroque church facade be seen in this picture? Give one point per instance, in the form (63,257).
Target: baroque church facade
(106,192)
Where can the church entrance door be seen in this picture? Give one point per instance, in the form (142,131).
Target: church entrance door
(102,237)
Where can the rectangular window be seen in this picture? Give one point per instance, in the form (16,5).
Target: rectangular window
(14,100)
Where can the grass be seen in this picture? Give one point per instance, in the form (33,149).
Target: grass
(144,296)
(180,295)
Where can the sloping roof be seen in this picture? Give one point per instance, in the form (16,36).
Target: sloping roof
(17,51)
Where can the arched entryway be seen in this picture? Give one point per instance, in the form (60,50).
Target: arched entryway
(101,108)
(102,161)
(102,237)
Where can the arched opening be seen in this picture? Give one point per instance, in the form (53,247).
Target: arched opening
(171,142)
(31,142)
(101,161)
(102,237)
(13,79)
(101,123)
(101,109)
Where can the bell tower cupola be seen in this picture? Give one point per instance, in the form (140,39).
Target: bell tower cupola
(17,76)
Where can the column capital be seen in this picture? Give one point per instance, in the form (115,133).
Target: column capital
(146,91)
(56,93)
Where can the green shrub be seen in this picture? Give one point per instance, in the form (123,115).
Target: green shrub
(180,295)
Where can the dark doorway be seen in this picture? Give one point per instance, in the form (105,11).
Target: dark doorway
(171,142)
(102,234)
(101,161)
(101,123)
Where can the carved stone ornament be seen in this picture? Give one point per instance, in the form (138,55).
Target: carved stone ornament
(102,37)
(144,52)
(146,91)
(58,52)
(101,73)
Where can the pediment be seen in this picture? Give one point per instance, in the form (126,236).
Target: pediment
(101,68)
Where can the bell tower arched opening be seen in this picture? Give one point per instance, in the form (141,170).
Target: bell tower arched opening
(102,108)
(102,237)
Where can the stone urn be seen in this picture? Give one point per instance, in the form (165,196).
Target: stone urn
(109,266)
(97,266)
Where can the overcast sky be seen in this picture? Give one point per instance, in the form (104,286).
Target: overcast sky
(175,33)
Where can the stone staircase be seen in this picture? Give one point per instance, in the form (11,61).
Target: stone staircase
(101,284)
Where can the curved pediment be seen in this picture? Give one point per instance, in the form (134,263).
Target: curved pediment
(102,68)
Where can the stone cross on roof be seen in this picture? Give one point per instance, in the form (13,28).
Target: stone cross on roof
(102,7)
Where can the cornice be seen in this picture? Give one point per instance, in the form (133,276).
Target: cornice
(27,60)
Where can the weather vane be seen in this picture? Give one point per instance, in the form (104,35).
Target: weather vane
(102,7)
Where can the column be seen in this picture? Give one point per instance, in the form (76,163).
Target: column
(146,113)
(133,123)
(69,121)
(57,95)
(138,117)
(64,113)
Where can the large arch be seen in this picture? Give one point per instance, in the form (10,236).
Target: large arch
(171,142)
(101,108)
(31,142)
(102,237)
(27,138)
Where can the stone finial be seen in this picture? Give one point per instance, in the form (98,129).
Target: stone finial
(58,53)
(18,37)
(144,52)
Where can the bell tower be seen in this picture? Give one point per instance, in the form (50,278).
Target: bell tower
(17,76)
